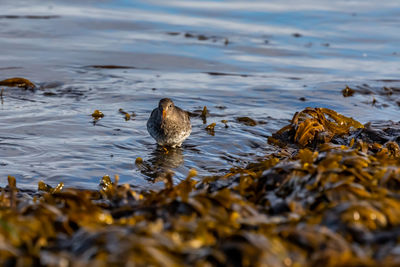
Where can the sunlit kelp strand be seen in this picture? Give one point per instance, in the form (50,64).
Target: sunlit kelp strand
(18,82)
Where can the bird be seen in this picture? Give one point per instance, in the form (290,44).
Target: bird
(168,124)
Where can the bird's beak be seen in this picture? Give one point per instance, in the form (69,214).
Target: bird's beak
(164,113)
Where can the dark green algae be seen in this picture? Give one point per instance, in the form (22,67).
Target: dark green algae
(327,194)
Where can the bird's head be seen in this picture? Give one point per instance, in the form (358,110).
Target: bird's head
(166,106)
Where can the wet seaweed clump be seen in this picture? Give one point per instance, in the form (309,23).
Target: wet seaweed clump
(314,126)
(211,129)
(18,82)
(246,121)
(97,114)
(335,202)
(346,92)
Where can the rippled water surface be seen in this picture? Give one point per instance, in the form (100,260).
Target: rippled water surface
(260,59)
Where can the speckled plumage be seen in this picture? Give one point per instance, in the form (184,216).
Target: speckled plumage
(172,128)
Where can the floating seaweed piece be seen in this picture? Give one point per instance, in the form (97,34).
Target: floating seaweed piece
(127,115)
(18,82)
(97,114)
(210,128)
(346,92)
(246,121)
(138,160)
(225,122)
(204,115)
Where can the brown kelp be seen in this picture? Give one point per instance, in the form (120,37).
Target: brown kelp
(128,116)
(327,194)
(315,125)
(97,114)
(18,82)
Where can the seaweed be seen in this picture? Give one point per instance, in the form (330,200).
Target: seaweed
(18,82)
(127,116)
(97,115)
(210,129)
(315,126)
(202,113)
(348,91)
(246,121)
(332,203)
(382,97)
(225,122)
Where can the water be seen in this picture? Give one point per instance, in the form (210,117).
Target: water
(238,58)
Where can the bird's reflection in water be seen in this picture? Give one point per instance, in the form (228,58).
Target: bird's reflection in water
(162,161)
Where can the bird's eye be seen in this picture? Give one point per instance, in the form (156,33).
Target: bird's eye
(170,105)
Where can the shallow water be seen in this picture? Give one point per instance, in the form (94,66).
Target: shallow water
(238,58)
